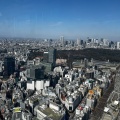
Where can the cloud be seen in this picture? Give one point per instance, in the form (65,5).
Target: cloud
(56,24)
(0,14)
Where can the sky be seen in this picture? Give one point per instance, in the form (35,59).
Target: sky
(54,18)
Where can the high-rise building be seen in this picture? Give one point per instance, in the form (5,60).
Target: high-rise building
(36,72)
(45,56)
(81,42)
(118,45)
(62,40)
(52,56)
(9,66)
(78,42)
(39,73)
(105,42)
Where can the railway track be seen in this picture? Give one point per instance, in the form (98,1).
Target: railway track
(97,113)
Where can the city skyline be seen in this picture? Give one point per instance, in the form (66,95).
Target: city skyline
(53,18)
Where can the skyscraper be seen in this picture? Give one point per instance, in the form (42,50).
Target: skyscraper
(62,40)
(78,42)
(52,56)
(118,45)
(9,66)
(45,56)
(39,73)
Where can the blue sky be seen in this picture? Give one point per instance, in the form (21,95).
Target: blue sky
(52,18)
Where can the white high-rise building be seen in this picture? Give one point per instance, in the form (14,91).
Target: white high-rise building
(105,42)
(62,40)
(78,41)
(118,45)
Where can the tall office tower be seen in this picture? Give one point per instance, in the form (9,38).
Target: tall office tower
(78,42)
(96,41)
(9,66)
(81,42)
(45,56)
(118,45)
(105,42)
(62,40)
(52,56)
(39,73)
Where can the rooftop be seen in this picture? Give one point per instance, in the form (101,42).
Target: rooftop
(50,113)
(111,111)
